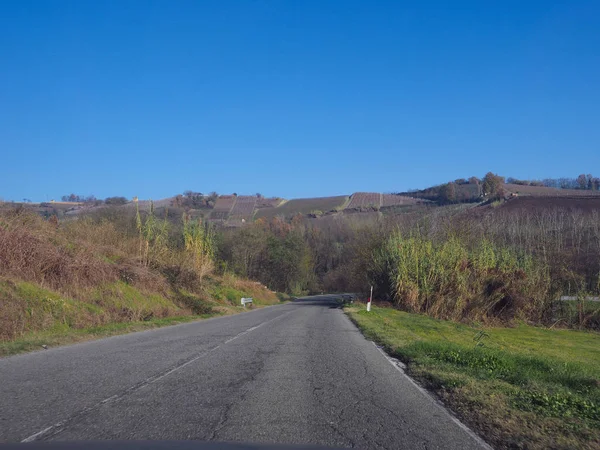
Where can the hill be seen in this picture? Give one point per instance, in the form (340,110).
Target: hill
(305,206)
(234,210)
(583,203)
(544,191)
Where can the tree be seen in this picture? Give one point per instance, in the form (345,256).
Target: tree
(73,198)
(582,181)
(115,200)
(551,182)
(193,195)
(474,180)
(493,185)
(448,193)
(91,200)
(177,201)
(565,183)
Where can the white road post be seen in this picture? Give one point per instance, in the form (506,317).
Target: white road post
(370,298)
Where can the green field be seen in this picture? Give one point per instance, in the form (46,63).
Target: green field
(521,387)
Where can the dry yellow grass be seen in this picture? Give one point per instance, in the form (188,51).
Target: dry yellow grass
(84,273)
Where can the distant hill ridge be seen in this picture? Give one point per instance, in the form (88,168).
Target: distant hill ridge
(236,210)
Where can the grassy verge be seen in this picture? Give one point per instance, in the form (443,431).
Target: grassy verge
(65,335)
(42,317)
(522,387)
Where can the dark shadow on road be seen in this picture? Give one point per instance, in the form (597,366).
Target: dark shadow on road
(331,301)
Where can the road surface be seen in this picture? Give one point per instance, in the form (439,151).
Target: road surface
(294,373)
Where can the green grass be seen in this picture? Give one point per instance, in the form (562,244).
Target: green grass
(39,316)
(123,295)
(228,293)
(225,293)
(283,297)
(518,387)
(62,335)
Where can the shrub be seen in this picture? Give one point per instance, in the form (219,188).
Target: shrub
(450,280)
(115,201)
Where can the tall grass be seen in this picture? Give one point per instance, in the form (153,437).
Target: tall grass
(93,271)
(199,245)
(452,280)
(152,236)
(33,249)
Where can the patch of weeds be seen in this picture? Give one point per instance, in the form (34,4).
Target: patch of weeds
(194,303)
(558,404)
(440,379)
(230,294)
(477,361)
(282,297)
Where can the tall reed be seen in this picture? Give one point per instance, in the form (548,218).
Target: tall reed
(450,279)
(199,245)
(152,234)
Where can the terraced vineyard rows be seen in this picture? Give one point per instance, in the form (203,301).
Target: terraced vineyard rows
(223,206)
(303,206)
(397,200)
(365,200)
(219,215)
(224,203)
(243,208)
(543,191)
(271,202)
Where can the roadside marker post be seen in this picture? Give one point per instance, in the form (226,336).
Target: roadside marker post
(369,302)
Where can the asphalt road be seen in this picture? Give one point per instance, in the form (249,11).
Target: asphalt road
(295,373)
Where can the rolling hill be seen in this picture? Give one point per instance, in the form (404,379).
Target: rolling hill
(236,210)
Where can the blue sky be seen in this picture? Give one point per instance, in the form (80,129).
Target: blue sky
(292,98)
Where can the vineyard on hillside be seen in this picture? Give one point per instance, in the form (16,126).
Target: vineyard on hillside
(398,200)
(223,206)
(243,209)
(543,191)
(271,202)
(303,206)
(361,200)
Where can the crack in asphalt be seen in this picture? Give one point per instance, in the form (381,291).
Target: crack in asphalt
(58,427)
(76,417)
(224,418)
(310,378)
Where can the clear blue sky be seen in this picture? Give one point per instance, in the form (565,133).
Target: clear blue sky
(292,98)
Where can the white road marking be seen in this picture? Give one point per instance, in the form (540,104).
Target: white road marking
(257,326)
(153,379)
(243,333)
(141,385)
(33,437)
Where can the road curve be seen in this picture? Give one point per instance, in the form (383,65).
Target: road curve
(299,373)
